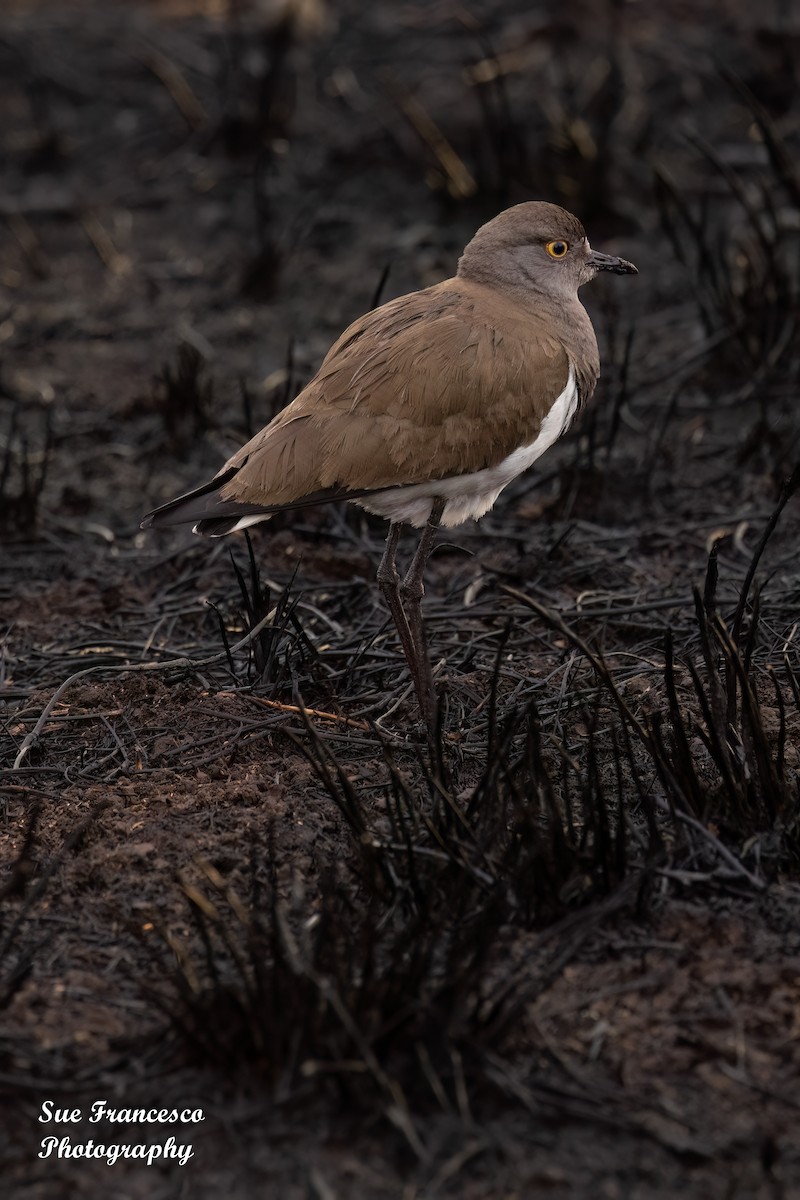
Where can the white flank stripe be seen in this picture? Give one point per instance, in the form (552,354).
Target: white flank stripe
(470,496)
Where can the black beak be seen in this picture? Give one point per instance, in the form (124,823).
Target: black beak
(607,262)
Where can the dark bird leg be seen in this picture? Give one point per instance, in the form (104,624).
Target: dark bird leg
(412,590)
(389,582)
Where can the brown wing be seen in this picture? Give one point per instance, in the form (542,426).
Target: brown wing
(424,387)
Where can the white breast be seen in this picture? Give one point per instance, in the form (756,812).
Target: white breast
(470,496)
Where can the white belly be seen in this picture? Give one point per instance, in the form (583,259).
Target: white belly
(470,496)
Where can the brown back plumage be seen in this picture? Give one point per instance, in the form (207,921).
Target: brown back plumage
(436,384)
(439,383)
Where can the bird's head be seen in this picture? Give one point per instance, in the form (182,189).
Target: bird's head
(538,247)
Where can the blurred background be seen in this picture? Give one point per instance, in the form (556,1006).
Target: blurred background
(196,197)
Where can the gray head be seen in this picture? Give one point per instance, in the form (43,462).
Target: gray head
(536,247)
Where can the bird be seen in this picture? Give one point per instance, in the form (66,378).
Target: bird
(428,406)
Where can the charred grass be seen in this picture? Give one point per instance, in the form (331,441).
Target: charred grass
(216,793)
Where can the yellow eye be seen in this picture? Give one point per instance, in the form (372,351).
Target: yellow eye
(557,249)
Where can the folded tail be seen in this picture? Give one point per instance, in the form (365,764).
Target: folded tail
(211,516)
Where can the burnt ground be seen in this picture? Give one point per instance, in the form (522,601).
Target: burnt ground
(561,958)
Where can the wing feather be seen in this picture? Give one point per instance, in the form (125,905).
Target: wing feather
(397,401)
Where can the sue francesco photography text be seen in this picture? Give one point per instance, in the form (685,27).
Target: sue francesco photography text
(60,1144)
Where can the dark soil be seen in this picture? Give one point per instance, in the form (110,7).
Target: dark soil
(564,957)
